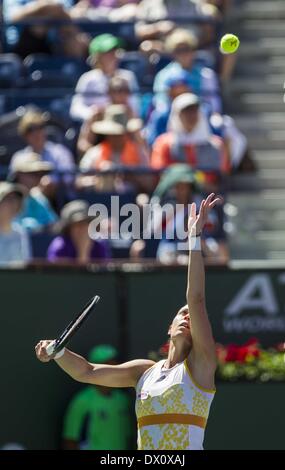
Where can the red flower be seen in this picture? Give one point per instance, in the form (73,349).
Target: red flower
(163,350)
(235,353)
(232,353)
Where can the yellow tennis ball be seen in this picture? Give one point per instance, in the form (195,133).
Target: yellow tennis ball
(229,44)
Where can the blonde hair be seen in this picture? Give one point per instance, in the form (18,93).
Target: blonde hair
(180,36)
(29,120)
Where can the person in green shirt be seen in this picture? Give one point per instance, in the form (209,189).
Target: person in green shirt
(98,418)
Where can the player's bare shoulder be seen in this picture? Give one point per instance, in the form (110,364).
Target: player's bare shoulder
(138,367)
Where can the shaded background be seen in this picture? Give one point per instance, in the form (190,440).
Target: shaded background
(39,303)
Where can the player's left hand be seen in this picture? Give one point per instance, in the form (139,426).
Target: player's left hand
(197,222)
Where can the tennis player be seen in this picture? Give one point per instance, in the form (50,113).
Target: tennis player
(173,396)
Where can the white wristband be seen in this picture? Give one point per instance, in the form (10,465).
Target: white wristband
(195,243)
(59,354)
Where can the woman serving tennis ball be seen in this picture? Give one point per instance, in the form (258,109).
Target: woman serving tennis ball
(173,396)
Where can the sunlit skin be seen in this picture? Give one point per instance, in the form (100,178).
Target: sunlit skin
(180,331)
(180,338)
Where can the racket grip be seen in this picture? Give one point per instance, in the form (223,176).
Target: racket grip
(50,348)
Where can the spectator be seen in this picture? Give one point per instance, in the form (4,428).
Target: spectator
(32,173)
(14,242)
(113,10)
(179,187)
(165,9)
(87,138)
(25,40)
(181,44)
(157,124)
(189,139)
(222,5)
(74,243)
(121,145)
(119,93)
(92,87)
(221,125)
(117,147)
(98,418)
(32,128)
(187,11)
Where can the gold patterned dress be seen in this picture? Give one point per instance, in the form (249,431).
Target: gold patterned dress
(171,409)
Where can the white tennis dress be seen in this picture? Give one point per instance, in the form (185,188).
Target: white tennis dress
(171,409)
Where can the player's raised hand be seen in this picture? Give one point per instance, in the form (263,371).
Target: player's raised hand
(197,222)
(41,351)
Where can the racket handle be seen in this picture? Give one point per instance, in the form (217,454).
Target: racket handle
(50,348)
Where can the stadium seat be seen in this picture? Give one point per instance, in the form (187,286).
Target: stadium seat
(9,140)
(158,62)
(40,243)
(49,72)
(120,249)
(140,66)
(11,70)
(39,97)
(93,197)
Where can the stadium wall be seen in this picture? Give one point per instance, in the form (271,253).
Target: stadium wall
(134,314)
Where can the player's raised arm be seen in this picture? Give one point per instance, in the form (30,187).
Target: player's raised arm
(123,375)
(203,349)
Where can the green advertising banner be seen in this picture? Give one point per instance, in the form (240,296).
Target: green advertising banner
(245,304)
(241,305)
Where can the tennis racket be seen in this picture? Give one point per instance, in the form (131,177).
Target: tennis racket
(72,327)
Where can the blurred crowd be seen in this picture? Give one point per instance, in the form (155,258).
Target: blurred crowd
(143,119)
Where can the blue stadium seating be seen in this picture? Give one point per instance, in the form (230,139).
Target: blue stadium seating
(104,198)
(55,71)
(40,243)
(140,66)
(41,98)
(10,70)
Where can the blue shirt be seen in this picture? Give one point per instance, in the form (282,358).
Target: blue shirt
(157,125)
(10,7)
(36,214)
(14,246)
(202,81)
